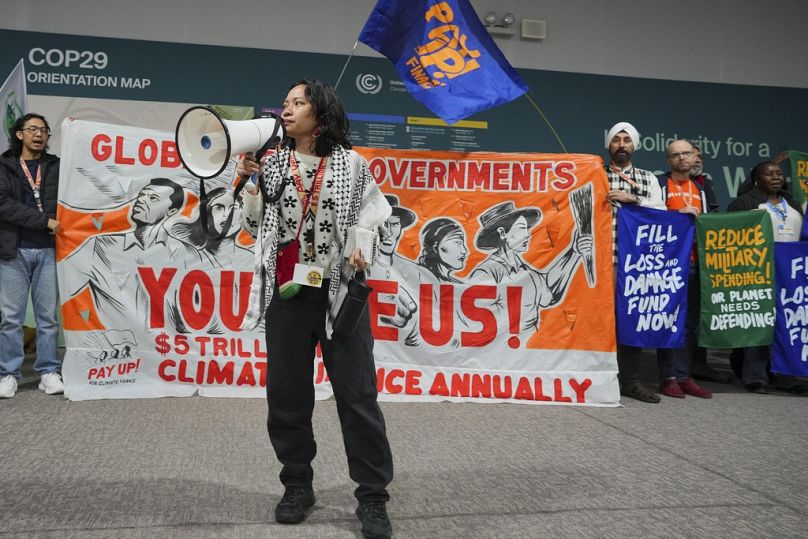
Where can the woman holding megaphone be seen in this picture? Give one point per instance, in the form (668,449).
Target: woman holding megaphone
(317,220)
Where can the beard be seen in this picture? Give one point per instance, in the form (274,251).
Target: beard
(621,157)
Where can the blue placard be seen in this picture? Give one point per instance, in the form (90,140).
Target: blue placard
(790,346)
(653,259)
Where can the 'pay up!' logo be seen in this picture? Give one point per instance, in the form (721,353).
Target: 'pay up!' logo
(445,56)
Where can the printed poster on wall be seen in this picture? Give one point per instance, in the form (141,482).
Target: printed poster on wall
(737,279)
(494,285)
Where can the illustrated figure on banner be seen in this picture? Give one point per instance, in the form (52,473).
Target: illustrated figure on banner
(391,266)
(224,217)
(111,345)
(505,231)
(105,262)
(443,249)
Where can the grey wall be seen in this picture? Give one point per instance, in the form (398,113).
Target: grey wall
(740,41)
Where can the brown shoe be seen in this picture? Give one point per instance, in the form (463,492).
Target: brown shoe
(670,388)
(636,391)
(690,387)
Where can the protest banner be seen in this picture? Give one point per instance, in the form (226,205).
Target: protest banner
(444,55)
(495,284)
(653,259)
(737,279)
(790,346)
(799,175)
(13,100)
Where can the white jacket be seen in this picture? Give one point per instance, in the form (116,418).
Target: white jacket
(360,216)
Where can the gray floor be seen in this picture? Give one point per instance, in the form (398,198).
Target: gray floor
(733,466)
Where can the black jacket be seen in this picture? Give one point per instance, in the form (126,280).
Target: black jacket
(14,213)
(751,200)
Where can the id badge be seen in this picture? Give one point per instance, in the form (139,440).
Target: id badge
(308,275)
(786,230)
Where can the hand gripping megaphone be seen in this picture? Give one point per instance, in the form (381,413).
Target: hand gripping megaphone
(205,141)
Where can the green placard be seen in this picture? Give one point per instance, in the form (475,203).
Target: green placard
(799,175)
(736,259)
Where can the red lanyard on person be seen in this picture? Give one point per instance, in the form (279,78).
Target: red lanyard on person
(624,176)
(34,185)
(308,200)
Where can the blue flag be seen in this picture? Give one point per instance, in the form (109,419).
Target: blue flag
(790,345)
(653,260)
(444,55)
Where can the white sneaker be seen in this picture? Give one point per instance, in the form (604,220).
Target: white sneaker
(51,383)
(8,387)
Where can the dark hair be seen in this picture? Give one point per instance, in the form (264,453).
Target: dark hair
(431,236)
(177,194)
(194,233)
(330,116)
(15,144)
(757,170)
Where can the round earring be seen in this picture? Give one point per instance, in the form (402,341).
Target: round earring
(317,132)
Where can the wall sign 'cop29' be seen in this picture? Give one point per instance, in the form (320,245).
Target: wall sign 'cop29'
(733,123)
(38,56)
(72,58)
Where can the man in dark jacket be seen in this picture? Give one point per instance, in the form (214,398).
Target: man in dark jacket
(681,193)
(701,369)
(29,185)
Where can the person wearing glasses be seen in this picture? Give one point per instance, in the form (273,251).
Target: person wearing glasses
(701,368)
(681,193)
(29,183)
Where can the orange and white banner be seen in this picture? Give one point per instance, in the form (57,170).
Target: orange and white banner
(495,283)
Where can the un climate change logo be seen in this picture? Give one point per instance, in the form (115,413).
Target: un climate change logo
(368,83)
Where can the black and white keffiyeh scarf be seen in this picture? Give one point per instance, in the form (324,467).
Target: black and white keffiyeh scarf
(350,192)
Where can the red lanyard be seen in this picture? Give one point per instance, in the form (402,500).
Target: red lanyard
(34,185)
(624,176)
(308,200)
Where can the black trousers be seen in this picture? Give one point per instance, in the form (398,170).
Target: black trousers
(628,365)
(293,329)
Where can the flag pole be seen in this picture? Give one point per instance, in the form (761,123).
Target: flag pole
(535,106)
(339,79)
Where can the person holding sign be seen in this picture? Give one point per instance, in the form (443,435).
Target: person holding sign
(769,193)
(684,195)
(318,200)
(701,369)
(635,186)
(29,183)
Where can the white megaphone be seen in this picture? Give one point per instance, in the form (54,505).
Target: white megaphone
(205,141)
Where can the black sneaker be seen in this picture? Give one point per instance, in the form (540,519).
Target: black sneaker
(292,507)
(757,387)
(800,390)
(375,522)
